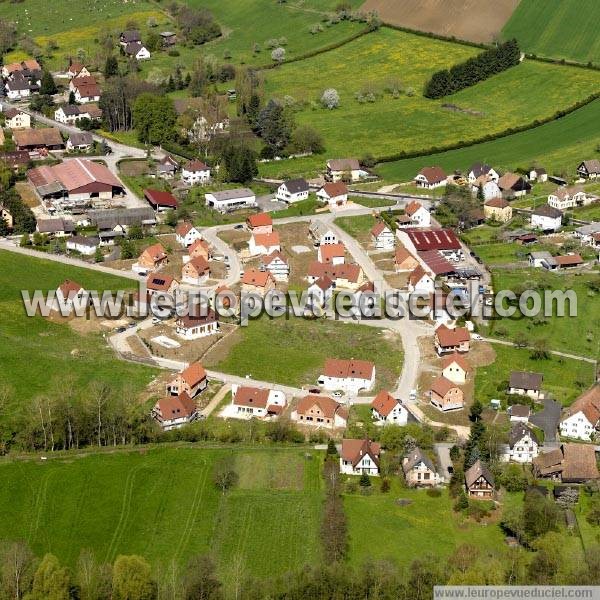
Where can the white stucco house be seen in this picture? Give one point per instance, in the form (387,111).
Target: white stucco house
(254,403)
(360,457)
(186,234)
(350,376)
(334,194)
(191,327)
(261,244)
(293,190)
(322,233)
(546,218)
(564,198)
(431,178)
(277,265)
(418,214)
(386,409)
(383,237)
(421,282)
(195,173)
(320,292)
(581,420)
(84,245)
(231,199)
(523,444)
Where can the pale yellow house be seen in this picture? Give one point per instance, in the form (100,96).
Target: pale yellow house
(498,209)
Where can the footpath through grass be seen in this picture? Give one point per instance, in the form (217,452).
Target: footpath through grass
(162,504)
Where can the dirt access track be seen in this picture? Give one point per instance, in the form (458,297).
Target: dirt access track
(472,20)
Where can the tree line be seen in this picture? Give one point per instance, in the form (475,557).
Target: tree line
(473,70)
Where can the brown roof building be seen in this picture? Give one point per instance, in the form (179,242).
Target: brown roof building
(48,138)
(321,411)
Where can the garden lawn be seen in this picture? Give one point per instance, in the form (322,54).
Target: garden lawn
(578,335)
(36,353)
(293,351)
(559,146)
(409,123)
(564,378)
(557,28)
(380,529)
(162,504)
(358,227)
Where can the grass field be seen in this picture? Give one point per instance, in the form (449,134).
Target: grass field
(559,146)
(293,351)
(36,353)
(163,505)
(562,376)
(578,335)
(409,123)
(381,529)
(557,28)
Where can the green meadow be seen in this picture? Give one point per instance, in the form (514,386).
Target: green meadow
(410,122)
(36,353)
(162,504)
(557,28)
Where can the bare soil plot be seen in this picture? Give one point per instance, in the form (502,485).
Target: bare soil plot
(473,20)
(27,194)
(292,235)
(134,168)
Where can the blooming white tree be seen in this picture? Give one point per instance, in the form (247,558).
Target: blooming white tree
(330,98)
(278,55)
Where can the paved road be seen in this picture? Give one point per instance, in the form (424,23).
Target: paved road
(443,453)
(67,260)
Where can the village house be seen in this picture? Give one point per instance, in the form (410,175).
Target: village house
(19,88)
(167,167)
(479,482)
(519,413)
(198,248)
(174,412)
(332,254)
(261,244)
(570,463)
(589,235)
(159,200)
(257,282)
(195,172)
(589,169)
(71,114)
(320,292)
(193,327)
(346,276)
(151,259)
(350,376)
(564,197)
(538,174)
(451,340)
(568,261)
(74,182)
(56,227)
(546,218)
(431,178)
(360,457)
(387,409)
(497,209)
(196,271)
(252,402)
(322,233)
(419,470)
(85,89)
(293,190)
(445,395)
(69,295)
(421,282)
(581,420)
(46,138)
(82,244)
(444,241)
(455,368)
(158,283)
(80,141)
(525,383)
(186,234)
(513,185)
(231,199)
(334,194)
(6,216)
(542,259)
(479,169)
(419,216)
(260,223)
(320,411)
(344,169)
(17,119)
(191,381)
(128,36)
(277,265)
(486,188)
(137,50)
(404,260)
(76,69)
(523,444)
(383,237)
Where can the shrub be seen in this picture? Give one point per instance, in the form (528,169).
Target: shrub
(364,480)
(434,492)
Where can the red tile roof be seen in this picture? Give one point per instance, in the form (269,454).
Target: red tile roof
(176,407)
(441,386)
(433,174)
(497,203)
(569,260)
(199,264)
(196,165)
(379,228)
(256,278)
(159,198)
(436,262)
(184,228)
(335,189)
(251,396)
(156,252)
(436,239)
(259,220)
(462,362)
(346,271)
(354,450)
(330,251)
(384,403)
(74,174)
(588,403)
(194,374)
(268,240)
(344,369)
(412,207)
(452,337)
(329,407)
(159,282)
(69,288)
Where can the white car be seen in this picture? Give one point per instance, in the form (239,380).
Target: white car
(476,336)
